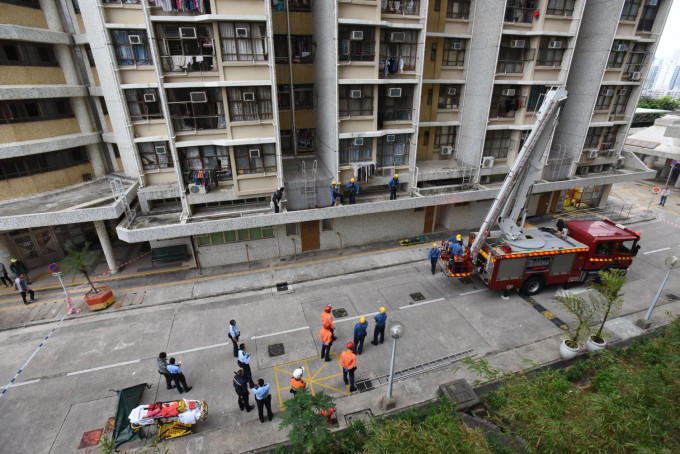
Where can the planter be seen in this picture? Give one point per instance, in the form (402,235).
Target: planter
(101,300)
(595,343)
(568,352)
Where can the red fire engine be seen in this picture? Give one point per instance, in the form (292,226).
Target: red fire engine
(528,259)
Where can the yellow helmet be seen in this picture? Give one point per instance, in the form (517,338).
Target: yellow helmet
(382,310)
(351,180)
(434,244)
(396,175)
(362,319)
(334,182)
(458,237)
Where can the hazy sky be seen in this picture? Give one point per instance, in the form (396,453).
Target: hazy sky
(670,40)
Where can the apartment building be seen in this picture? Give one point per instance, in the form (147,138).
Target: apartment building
(214,104)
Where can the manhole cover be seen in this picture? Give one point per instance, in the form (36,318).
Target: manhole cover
(363,415)
(365,385)
(282,286)
(339,312)
(417,296)
(465,280)
(276,350)
(672,296)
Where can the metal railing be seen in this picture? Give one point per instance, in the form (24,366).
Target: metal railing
(405,7)
(613,212)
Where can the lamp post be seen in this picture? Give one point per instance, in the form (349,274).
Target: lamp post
(396,330)
(672,262)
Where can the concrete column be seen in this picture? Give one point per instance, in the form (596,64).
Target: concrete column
(104,240)
(6,249)
(650,161)
(677,183)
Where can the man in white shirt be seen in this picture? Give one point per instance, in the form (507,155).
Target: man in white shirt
(664,195)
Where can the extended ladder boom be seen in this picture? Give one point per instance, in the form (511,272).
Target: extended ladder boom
(526,170)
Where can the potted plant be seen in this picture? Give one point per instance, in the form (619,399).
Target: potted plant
(607,300)
(80,261)
(584,312)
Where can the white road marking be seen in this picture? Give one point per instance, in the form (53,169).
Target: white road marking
(200,348)
(420,304)
(356,317)
(29,382)
(474,291)
(656,250)
(103,367)
(280,332)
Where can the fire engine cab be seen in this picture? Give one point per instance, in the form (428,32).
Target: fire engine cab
(529,259)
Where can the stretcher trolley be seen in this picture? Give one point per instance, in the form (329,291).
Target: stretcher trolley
(173,419)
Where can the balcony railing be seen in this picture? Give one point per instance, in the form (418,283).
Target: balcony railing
(509,67)
(188,64)
(407,7)
(519,15)
(197,123)
(507,107)
(398,113)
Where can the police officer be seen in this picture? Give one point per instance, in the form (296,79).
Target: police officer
(241,387)
(353,189)
(263,399)
(380,320)
(394,185)
(327,317)
(234,334)
(326,341)
(360,334)
(433,256)
(336,194)
(244,363)
(349,364)
(296,381)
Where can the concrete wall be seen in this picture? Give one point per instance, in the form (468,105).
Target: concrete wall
(19,187)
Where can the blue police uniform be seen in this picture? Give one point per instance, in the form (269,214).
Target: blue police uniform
(394,185)
(433,256)
(353,189)
(380,320)
(263,400)
(359,336)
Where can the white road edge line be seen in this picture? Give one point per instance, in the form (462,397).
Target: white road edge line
(356,317)
(103,367)
(656,250)
(200,348)
(29,382)
(280,332)
(420,304)
(474,291)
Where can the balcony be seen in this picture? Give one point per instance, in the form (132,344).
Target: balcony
(510,67)
(520,12)
(406,8)
(506,106)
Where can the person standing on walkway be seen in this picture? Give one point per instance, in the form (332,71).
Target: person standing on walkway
(664,195)
(296,381)
(23,288)
(353,189)
(380,320)
(263,399)
(244,363)
(178,376)
(17,267)
(327,317)
(326,337)
(241,388)
(433,256)
(394,185)
(349,364)
(360,334)
(3,275)
(276,199)
(162,364)
(336,194)
(234,333)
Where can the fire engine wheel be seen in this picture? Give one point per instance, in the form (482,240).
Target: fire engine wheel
(532,286)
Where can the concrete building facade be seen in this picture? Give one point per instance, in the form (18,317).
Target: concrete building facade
(213,106)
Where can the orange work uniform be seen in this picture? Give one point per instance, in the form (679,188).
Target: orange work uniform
(296,384)
(326,340)
(327,317)
(349,364)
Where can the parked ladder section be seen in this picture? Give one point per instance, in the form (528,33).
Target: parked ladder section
(310,184)
(370,383)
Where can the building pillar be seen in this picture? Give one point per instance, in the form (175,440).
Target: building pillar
(6,249)
(104,240)
(650,161)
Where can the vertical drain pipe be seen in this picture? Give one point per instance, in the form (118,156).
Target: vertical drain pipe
(247,255)
(294,248)
(340,236)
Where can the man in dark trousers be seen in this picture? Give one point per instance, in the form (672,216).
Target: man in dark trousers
(360,334)
(394,186)
(276,199)
(234,334)
(162,364)
(244,363)
(3,275)
(380,320)
(263,399)
(433,256)
(241,387)
(18,267)
(326,341)
(178,376)
(349,365)
(353,189)
(23,288)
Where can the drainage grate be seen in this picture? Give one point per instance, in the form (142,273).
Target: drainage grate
(465,280)
(365,385)
(276,350)
(672,296)
(339,312)
(417,296)
(363,415)
(281,286)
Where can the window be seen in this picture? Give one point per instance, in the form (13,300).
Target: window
(618,54)
(291,229)
(506,101)
(497,143)
(433,51)
(299,5)
(303,96)
(647,19)
(207,157)
(155,155)
(454,52)
(396,107)
(232,236)
(458,9)
(561,7)
(102,102)
(249,161)
(430,94)
(445,136)
(27,3)
(393,152)
(609,138)
(621,100)
(326,224)
(35,110)
(353,150)
(449,96)
(131,47)
(306,140)
(143,104)
(536,97)
(116,151)
(426,138)
(521,11)
(90,57)
(301,46)
(513,53)
(401,45)
(355,100)
(243,41)
(551,51)
(249,103)
(287,142)
(630,10)
(593,138)
(356,43)
(627,247)
(604,248)
(437,5)
(185,47)
(409,7)
(42,163)
(637,58)
(14,53)
(604,98)
(196,108)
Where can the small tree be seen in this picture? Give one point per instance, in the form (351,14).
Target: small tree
(309,431)
(608,298)
(80,261)
(584,312)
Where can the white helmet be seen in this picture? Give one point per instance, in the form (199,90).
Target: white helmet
(297,373)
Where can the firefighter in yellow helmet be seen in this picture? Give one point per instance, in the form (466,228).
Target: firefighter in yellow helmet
(353,189)
(336,194)
(380,321)
(360,334)
(394,185)
(433,256)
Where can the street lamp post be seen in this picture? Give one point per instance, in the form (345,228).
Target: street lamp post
(672,262)
(396,330)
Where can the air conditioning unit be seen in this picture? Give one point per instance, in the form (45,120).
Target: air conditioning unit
(149,97)
(451,91)
(517,43)
(456,45)
(623,92)
(621,48)
(198,97)
(487,162)
(359,142)
(592,154)
(446,150)
(249,96)
(357,35)
(241,32)
(398,37)
(187,32)
(254,152)
(197,189)
(608,92)
(394,92)
(135,39)
(652,2)
(508,92)
(389,138)
(355,94)
(160,149)
(555,45)
(635,76)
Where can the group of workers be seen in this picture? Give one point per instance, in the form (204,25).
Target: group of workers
(456,250)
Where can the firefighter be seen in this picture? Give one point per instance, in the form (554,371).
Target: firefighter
(380,320)
(360,334)
(458,253)
(433,256)
(394,185)
(326,341)
(296,381)
(349,364)
(353,189)
(336,194)
(326,316)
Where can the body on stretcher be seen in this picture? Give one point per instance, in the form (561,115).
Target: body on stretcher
(173,419)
